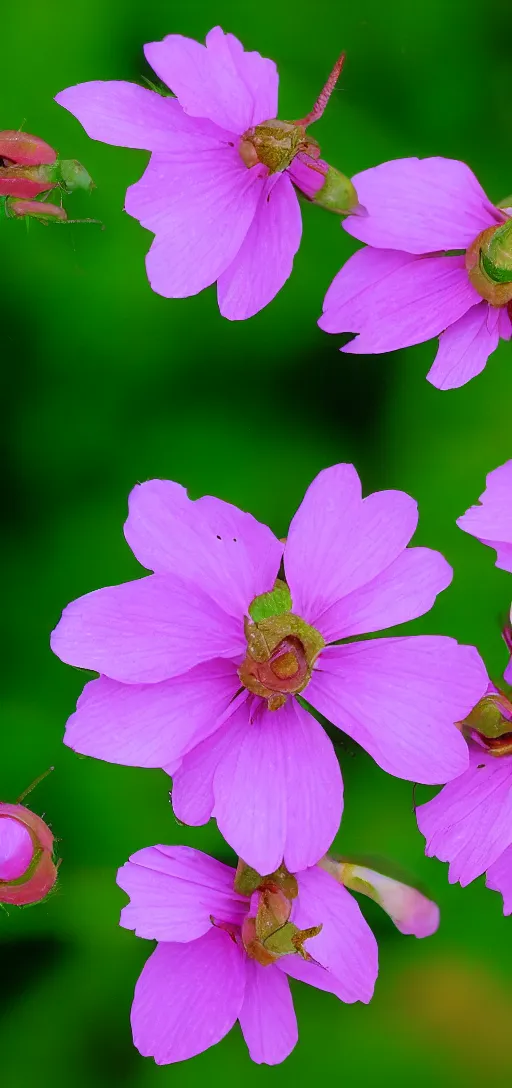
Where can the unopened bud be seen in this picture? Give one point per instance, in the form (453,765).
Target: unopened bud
(247,880)
(410,910)
(24,149)
(489,264)
(36,210)
(325,186)
(27,870)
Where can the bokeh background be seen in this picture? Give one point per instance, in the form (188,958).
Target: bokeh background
(106,384)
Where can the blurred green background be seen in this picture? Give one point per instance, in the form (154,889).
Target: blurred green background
(105,384)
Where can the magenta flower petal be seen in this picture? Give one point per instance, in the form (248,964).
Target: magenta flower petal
(220,81)
(414,304)
(399,699)
(406,589)
(265,259)
(192,783)
(225,551)
(16,848)
(145,631)
(267,1017)
(174,891)
(491,521)
(188,997)
(200,209)
(345,947)
(421,205)
(499,878)
(465,346)
(346,303)
(278,790)
(151,725)
(126,115)
(338,542)
(469,823)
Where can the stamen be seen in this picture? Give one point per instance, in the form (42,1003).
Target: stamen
(324,95)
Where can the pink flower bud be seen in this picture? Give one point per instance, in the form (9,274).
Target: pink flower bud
(27,870)
(36,210)
(14,185)
(410,910)
(27,150)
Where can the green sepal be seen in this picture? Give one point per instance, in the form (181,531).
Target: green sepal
(274,603)
(496,274)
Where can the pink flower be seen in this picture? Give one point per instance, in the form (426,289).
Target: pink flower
(407,289)
(223,955)
(27,871)
(491,523)
(218,190)
(469,823)
(200,661)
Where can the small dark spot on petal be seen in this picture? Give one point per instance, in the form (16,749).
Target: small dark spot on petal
(480,765)
(230,143)
(234,540)
(219,537)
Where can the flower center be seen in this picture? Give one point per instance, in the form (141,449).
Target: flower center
(489,264)
(268,934)
(275,143)
(281,648)
(491,719)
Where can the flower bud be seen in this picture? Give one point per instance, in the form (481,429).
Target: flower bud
(27,870)
(410,910)
(492,715)
(24,149)
(326,186)
(489,264)
(35,210)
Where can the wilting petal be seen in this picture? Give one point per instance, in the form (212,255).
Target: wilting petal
(491,521)
(220,81)
(200,210)
(399,699)
(151,725)
(345,947)
(338,542)
(406,589)
(413,304)
(127,115)
(469,823)
(265,259)
(410,910)
(225,551)
(499,878)
(174,892)
(465,346)
(278,790)
(346,303)
(421,205)
(267,1017)
(188,997)
(145,631)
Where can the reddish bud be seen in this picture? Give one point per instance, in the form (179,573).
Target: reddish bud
(27,870)
(27,150)
(14,185)
(36,210)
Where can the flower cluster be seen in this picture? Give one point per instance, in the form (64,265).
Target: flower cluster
(222,664)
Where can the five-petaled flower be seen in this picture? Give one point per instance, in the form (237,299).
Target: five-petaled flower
(408,286)
(203,661)
(469,823)
(218,192)
(227,942)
